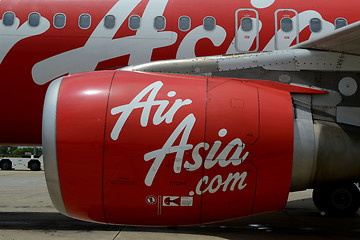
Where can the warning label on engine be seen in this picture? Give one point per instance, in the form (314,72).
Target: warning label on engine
(171,201)
(176,201)
(186,201)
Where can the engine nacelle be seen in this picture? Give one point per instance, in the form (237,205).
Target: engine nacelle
(157,149)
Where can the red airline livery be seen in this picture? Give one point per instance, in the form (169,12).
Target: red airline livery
(185,112)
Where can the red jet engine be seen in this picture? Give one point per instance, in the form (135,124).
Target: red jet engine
(159,149)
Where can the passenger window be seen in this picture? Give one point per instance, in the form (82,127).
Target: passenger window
(184,23)
(159,23)
(209,23)
(246,24)
(84,21)
(315,25)
(8,19)
(109,22)
(286,24)
(59,20)
(134,22)
(34,19)
(340,22)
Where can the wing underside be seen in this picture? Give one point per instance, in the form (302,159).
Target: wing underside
(343,40)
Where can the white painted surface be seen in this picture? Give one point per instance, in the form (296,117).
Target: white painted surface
(348,86)
(262,3)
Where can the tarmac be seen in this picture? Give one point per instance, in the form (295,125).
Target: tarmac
(26,212)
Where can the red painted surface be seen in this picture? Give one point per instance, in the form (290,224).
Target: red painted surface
(22,98)
(80,128)
(172,150)
(274,150)
(124,166)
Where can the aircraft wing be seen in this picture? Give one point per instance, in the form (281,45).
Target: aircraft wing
(343,40)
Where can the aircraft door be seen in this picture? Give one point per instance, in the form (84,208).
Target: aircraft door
(247,30)
(286,28)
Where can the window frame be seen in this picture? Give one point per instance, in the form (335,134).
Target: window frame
(281,24)
(54,20)
(164,23)
(134,29)
(109,15)
(89,21)
(241,24)
(214,23)
(341,19)
(29,19)
(3,17)
(311,30)
(185,30)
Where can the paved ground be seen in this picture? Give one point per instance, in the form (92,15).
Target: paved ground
(26,212)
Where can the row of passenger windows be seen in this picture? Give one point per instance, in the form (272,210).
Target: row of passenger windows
(184,23)
(286,24)
(59,21)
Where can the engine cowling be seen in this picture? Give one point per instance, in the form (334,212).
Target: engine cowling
(157,149)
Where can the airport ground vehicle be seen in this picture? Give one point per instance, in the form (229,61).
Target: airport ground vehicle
(27,161)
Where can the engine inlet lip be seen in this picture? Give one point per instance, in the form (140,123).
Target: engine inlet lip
(50,147)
